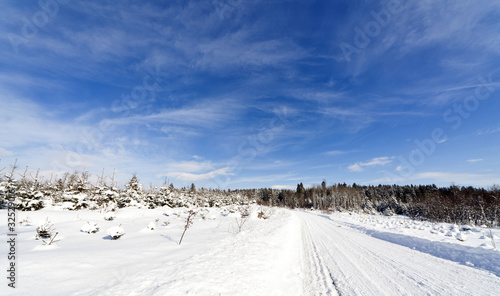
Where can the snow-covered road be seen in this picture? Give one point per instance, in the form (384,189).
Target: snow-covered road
(342,261)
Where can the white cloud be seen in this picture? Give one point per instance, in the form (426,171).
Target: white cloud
(190,166)
(290,187)
(24,122)
(210,113)
(355,167)
(4,152)
(359,166)
(474,160)
(174,132)
(460,25)
(488,131)
(378,161)
(189,177)
(369,112)
(400,168)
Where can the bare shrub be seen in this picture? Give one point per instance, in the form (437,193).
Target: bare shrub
(240,221)
(263,214)
(189,222)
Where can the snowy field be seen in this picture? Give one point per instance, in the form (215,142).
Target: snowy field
(290,253)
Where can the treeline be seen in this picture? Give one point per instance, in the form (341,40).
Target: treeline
(73,191)
(464,205)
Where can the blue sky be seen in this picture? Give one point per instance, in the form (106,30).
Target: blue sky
(250,94)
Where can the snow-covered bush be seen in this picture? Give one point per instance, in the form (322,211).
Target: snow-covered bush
(116,232)
(29,200)
(24,195)
(152,226)
(203,215)
(90,228)
(461,237)
(450,233)
(110,216)
(244,211)
(466,228)
(82,204)
(44,229)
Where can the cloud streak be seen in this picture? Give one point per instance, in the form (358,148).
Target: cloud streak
(190,177)
(378,161)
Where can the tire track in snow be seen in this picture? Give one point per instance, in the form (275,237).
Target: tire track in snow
(382,268)
(358,264)
(332,248)
(322,284)
(389,265)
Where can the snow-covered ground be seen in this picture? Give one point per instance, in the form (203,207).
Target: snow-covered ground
(215,258)
(291,253)
(343,257)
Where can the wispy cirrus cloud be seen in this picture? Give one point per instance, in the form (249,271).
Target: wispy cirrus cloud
(378,161)
(336,152)
(448,28)
(355,118)
(488,131)
(5,152)
(206,114)
(191,166)
(25,122)
(191,177)
(474,160)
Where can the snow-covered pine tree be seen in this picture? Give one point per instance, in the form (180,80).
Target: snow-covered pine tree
(104,196)
(133,194)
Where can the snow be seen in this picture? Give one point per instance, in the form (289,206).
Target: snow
(152,226)
(290,253)
(90,228)
(115,232)
(446,233)
(214,256)
(110,216)
(348,257)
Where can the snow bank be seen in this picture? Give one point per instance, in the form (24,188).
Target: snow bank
(478,257)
